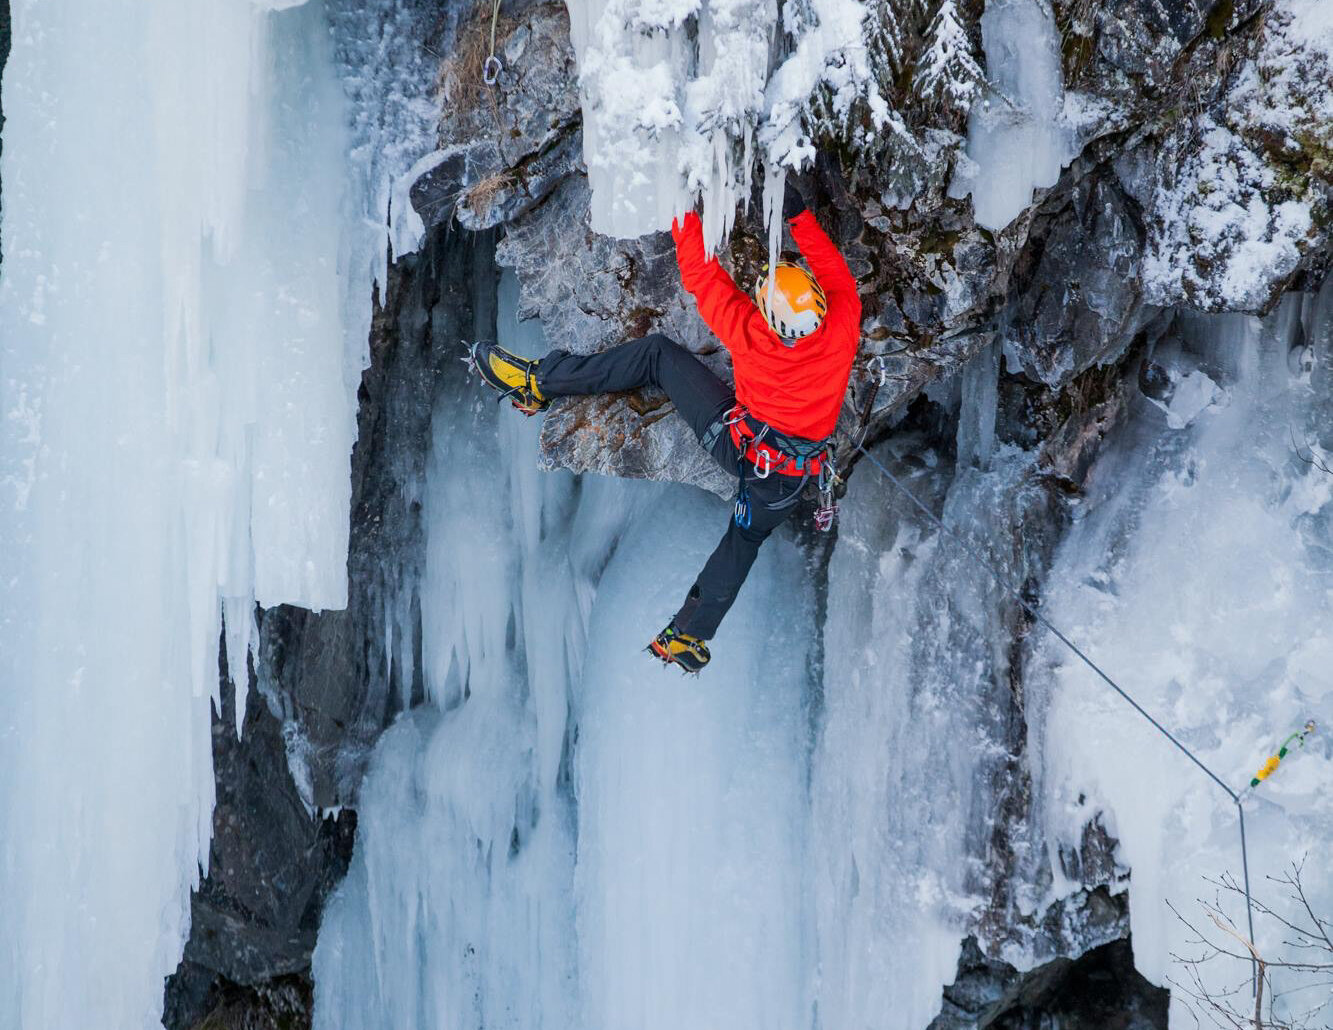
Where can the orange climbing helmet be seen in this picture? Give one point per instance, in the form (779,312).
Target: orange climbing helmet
(795,305)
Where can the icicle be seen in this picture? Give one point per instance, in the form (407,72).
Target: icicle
(1016,138)
(775,185)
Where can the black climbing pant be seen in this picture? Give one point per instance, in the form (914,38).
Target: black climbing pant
(702,399)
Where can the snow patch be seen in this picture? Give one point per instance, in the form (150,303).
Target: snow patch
(1232,222)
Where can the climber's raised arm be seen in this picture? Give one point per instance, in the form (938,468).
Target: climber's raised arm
(828,266)
(725,309)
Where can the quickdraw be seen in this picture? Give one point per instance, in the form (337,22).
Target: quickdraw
(1296,741)
(827,512)
(743,515)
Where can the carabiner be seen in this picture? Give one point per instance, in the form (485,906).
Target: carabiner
(742,514)
(490,71)
(768,464)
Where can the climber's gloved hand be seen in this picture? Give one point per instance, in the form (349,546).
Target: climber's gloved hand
(793,203)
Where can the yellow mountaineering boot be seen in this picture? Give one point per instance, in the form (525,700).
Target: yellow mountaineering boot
(677,648)
(512,376)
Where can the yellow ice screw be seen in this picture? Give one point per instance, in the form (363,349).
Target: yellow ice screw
(1269,767)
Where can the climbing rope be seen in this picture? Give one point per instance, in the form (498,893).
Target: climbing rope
(1014,592)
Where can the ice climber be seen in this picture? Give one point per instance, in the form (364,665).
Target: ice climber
(791,350)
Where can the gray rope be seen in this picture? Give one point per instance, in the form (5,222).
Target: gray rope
(1013,592)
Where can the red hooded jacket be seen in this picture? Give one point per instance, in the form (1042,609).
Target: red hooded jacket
(798,390)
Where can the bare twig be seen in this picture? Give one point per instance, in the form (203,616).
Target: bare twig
(1313,459)
(1308,935)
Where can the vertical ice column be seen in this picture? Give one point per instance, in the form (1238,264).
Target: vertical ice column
(1016,137)
(457,910)
(915,693)
(631,119)
(388,73)
(273,309)
(976,414)
(177,429)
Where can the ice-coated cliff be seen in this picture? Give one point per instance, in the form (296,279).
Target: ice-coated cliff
(322,687)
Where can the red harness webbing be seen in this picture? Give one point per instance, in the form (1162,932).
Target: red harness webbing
(765,456)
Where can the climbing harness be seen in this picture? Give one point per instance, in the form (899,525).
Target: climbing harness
(762,451)
(1016,594)
(490,71)
(1296,740)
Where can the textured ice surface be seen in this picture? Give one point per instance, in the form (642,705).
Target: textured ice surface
(1201,580)
(573,836)
(913,739)
(480,893)
(571,831)
(387,73)
(1016,138)
(582,832)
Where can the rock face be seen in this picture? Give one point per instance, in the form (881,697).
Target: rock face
(255,918)
(1099,989)
(504,145)
(1074,281)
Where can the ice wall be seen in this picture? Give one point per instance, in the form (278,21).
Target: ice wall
(1200,578)
(178,416)
(691,795)
(1017,139)
(384,64)
(569,835)
(916,698)
(456,912)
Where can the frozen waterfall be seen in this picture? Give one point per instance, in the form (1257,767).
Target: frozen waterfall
(1017,136)
(184,297)
(884,757)
(569,837)
(1201,575)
